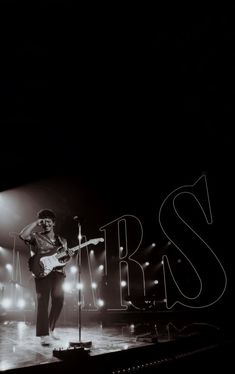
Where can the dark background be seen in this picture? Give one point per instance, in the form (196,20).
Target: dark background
(146,91)
(130,102)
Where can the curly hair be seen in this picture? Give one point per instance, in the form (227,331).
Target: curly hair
(46,213)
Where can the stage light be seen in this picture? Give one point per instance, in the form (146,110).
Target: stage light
(153,244)
(73,269)
(100,302)
(94,285)
(121,248)
(179,260)
(155,281)
(4,366)
(123,283)
(67,286)
(21,303)
(6,303)
(168,243)
(132,327)
(162,262)
(79,286)
(9,267)
(146,263)
(92,252)
(101,267)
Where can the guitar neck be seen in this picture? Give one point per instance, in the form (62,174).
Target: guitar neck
(74,249)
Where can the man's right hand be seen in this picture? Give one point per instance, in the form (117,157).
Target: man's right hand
(40,222)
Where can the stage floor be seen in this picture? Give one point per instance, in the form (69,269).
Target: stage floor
(19,347)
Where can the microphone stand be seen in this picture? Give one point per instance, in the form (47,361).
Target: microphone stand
(80,344)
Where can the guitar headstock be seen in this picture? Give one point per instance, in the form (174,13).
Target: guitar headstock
(96,241)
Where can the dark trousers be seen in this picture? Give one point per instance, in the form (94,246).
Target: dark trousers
(50,286)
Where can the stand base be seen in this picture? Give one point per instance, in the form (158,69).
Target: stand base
(70,353)
(80,344)
(152,338)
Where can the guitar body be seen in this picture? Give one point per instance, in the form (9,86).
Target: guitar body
(41,265)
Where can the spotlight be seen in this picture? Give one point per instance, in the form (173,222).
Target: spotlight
(153,244)
(92,252)
(79,286)
(123,283)
(67,286)
(132,327)
(94,285)
(100,302)
(9,267)
(21,303)
(121,248)
(73,269)
(162,262)
(146,263)
(155,281)
(101,267)
(6,303)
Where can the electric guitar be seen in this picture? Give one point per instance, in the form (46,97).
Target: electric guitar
(41,265)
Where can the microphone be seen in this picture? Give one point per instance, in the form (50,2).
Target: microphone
(76,218)
(79,219)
